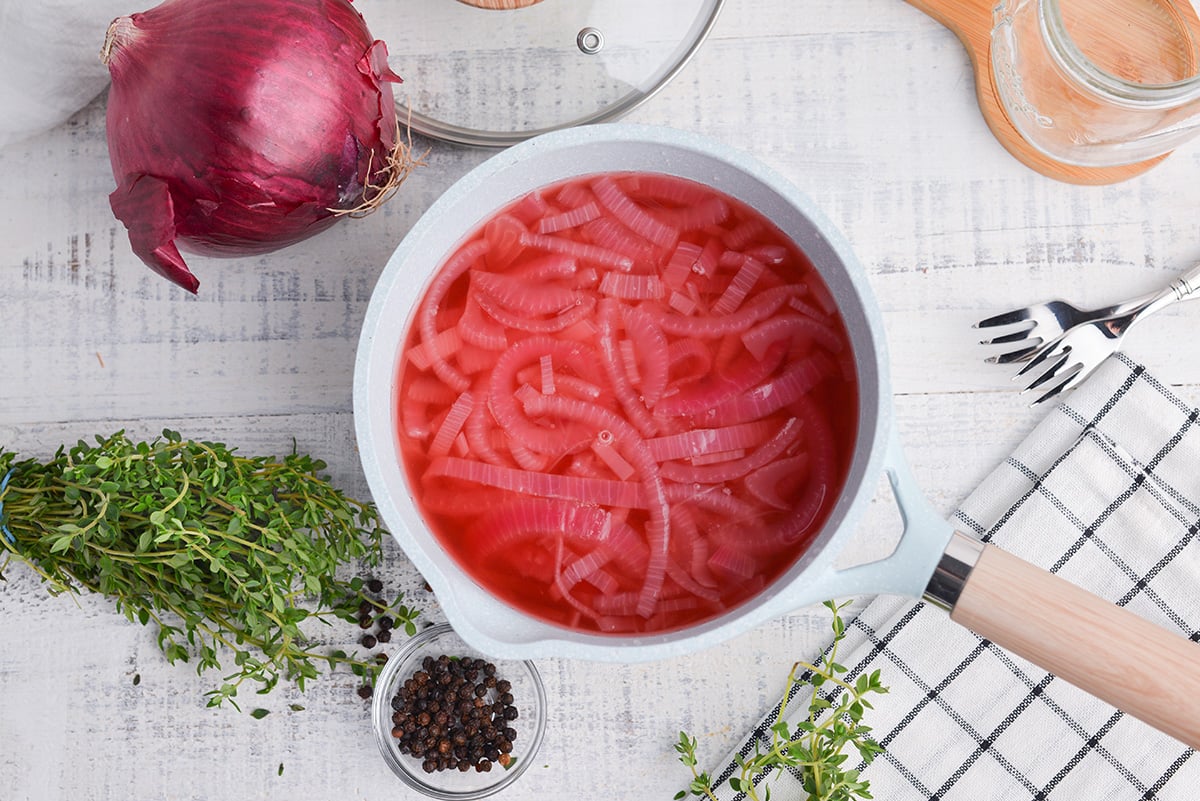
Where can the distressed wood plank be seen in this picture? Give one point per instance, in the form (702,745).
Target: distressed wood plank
(868,107)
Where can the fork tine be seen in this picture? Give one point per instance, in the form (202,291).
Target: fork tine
(1021,354)
(1052,372)
(1015,336)
(1047,351)
(1069,381)
(1007,318)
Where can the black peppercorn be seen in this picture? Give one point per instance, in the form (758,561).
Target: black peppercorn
(365,691)
(384,635)
(368,641)
(448,715)
(375,585)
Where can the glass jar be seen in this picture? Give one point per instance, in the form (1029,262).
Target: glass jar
(1098,83)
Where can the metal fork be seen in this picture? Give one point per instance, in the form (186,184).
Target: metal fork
(1063,345)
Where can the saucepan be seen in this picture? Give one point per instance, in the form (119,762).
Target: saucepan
(1108,651)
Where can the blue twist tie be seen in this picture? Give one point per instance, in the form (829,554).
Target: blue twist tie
(8,535)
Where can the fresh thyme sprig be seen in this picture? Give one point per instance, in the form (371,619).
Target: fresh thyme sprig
(816,749)
(223,553)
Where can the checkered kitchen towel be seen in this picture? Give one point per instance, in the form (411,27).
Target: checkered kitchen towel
(1106,493)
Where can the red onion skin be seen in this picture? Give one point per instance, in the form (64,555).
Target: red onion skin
(237,127)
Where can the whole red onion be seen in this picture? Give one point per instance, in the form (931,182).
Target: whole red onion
(237,127)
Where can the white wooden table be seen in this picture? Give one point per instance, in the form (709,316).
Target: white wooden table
(867,105)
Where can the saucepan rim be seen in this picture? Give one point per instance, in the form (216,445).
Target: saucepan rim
(487,623)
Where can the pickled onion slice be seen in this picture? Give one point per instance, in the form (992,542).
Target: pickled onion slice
(743,281)
(611,235)
(774,483)
(648,346)
(762,306)
(727,561)
(690,353)
(553,265)
(791,328)
(603,448)
(630,401)
(426,389)
(572,218)
(503,237)
(479,330)
(683,261)
(737,468)
(601,491)
(709,440)
(584,252)
(796,380)
(526,297)
(721,388)
(631,214)
(631,287)
(546,371)
(452,424)
(442,346)
(455,268)
(693,217)
(536,325)
(670,189)
(533,518)
(533,206)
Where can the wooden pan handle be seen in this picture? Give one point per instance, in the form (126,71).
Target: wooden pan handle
(1108,651)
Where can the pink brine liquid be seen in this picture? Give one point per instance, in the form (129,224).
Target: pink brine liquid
(627,403)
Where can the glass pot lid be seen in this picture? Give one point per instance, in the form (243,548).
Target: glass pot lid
(496,72)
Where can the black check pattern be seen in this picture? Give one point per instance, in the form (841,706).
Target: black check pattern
(1106,493)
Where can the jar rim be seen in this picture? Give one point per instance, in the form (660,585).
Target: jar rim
(1071,59)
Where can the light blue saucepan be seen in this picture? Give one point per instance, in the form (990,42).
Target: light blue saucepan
(1076,635)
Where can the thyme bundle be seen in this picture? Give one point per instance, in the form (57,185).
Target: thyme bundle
(816,750)
(224,554)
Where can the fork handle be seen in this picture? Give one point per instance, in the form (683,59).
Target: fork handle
(1106,650)
(1183,287)
(1187,285)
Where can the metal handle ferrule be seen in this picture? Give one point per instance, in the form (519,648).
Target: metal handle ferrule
(952,571)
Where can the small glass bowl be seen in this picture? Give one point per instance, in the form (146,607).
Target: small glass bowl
(529,698)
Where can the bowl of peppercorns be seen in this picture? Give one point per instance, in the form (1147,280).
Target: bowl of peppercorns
(454,723)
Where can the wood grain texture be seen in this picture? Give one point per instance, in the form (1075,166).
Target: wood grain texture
(1108,651)
(971,22)
(868,107)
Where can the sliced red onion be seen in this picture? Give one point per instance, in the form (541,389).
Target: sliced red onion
(600,491)
(631,214)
